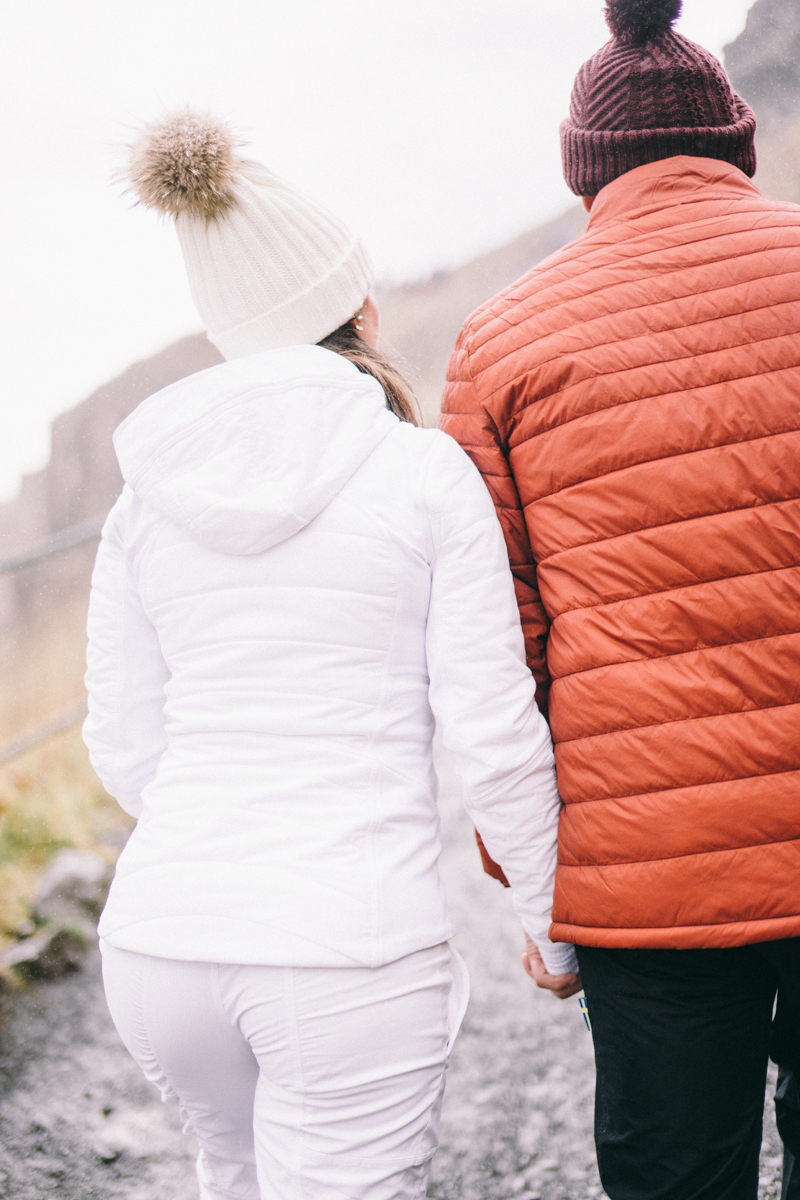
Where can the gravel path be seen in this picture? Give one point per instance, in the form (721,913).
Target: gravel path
(78,1121)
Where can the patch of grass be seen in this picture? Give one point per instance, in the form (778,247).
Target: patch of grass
(50,798)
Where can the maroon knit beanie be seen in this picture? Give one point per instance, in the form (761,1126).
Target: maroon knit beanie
(650,94)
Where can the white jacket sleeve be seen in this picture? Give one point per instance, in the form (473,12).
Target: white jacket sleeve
(482,694)
(125,676)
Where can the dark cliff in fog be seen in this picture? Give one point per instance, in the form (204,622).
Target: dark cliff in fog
(764,62)
(82,479)
(764,66)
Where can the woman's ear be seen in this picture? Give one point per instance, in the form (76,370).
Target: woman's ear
(369,320)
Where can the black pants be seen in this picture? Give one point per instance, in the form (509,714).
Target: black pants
(681,1042)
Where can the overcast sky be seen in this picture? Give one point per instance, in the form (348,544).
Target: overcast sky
(430,125)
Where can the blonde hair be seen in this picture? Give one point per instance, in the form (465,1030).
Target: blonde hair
(399,397)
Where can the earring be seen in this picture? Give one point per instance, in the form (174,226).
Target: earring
(358,321)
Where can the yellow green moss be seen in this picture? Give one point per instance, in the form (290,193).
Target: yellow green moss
(49,798)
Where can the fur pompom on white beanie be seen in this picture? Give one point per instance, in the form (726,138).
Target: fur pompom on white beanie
(267,266)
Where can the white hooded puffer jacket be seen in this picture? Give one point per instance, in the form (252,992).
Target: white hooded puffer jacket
(290,586)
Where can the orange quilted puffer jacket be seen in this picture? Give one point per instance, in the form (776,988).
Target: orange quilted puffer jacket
(634,406)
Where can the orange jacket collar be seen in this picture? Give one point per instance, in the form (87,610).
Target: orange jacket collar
(664,184)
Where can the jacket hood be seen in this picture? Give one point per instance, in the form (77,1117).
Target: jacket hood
(245,454)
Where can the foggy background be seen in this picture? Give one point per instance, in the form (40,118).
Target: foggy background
(430,125)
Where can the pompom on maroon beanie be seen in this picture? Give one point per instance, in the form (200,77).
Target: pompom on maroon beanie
(650,94)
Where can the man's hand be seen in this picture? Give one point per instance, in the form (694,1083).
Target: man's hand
(562,986)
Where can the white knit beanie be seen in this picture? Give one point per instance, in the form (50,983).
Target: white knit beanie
(267,266)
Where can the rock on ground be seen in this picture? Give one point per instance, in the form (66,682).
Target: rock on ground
(74,885)
(78,1121)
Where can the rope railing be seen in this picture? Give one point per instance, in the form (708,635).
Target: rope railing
(53,544)
(57,724)
(39,551)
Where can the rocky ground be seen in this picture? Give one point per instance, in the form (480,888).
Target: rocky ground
(78,1121)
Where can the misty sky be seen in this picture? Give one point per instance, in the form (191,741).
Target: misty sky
(430,125)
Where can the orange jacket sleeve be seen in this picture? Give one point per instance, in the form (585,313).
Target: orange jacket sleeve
(467,419)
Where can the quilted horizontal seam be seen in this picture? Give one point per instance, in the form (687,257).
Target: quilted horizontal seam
(663,362)
(484,316)
(684,787)
(629,241)
(584,296)
(721,512)
(618,372)
(471,415)
(670,302)
(664,858)
(665,525)
(284,733)
(270,639)
(624,662)
(726,712)
(679,587)
(259,689)
(629,235)
(273,585)
(643,462)
(237,806)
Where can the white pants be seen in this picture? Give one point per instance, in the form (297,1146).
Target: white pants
(298,1082)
